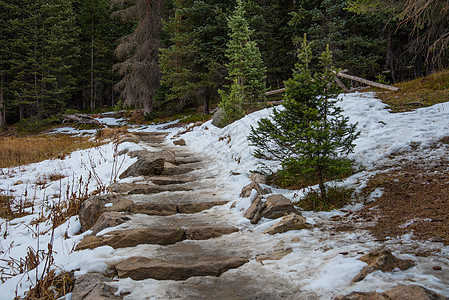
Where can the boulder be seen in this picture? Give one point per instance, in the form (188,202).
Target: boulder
(383,260)
(400,292)
(144,167)
(92,208)
(254,212)
(208,232)
(180,142)
(293,221)
(134,237)
(258,178)
(140,268)
(108,219)
(277,206)
(192,207)
(246,191)
(93,286)
(218,119)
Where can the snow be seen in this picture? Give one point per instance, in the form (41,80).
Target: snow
(315,266)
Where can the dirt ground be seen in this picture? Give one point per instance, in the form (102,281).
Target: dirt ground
(414,200)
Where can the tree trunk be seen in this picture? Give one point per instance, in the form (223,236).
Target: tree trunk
(21,112)
(147,107)
(92,99)
(2,106)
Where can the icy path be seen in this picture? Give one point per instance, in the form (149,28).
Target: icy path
(319,263)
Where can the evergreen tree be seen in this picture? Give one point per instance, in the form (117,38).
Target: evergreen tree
(357,41)
(138,52)
(246,70)
(98,38)
(192,66)
(310,137)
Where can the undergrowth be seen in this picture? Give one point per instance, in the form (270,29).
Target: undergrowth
(421,92)
(336,198)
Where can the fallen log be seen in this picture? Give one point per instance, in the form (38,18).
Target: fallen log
(80,119)
(368,82)
(275,92)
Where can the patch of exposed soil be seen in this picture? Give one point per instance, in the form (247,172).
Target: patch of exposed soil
(415,199)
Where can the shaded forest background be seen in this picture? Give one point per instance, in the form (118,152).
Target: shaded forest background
(62,56)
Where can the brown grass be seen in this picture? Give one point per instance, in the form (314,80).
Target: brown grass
(16,151)
(421,92)
(52,286)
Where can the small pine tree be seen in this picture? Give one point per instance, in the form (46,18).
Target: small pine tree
(310,137)
(246,69)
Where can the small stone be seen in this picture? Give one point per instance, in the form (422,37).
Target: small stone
(289,222)
(180,142)
(437,239)
(344,253)
(437,268)
(275,255)
(246,191)
(296,240)
(258,178)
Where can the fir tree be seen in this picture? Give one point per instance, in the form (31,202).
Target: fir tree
(310,137)
(246,70)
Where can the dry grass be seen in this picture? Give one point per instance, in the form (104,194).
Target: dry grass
(52,286)
(16,151)
(421,92)
(9,209)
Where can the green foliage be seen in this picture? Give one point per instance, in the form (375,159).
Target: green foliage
(336,198)
(36,124)
(357,41)
(246,70)
(310,137)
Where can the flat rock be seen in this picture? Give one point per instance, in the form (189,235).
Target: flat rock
(108,219)
(140,268)
(415,292)
(293,221)
(195,207)
(400,292)
(180,142)
(208,232)
(383,260)
(129,137)
(165,180)
(274,255)
(93,286)
(156,209)
(134,237)
(144,167)
(133,188)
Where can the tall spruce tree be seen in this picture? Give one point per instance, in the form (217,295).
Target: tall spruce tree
(310,137)
(245,67)
(193,63)
(138,52)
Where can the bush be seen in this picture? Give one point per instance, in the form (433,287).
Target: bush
(310,137)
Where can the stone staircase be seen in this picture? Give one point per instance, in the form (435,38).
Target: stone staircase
(169,210)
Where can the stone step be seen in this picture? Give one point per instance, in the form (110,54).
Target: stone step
(140,268)
(166,180)
(133,188)
(152,235)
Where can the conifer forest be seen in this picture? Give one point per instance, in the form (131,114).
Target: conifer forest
(63,56)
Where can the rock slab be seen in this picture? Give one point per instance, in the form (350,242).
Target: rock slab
(381,259)
(400,292)
(93,286)
(140,268)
